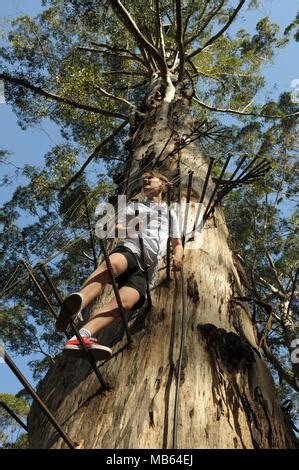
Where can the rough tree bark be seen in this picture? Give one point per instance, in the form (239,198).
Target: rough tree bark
(227,394)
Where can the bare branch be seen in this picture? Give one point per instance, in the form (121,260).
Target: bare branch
(112,48)
(180,37)
(149,61)
(42,351)
(228,74)
(222,30)
(253,288)
(145,60)
(134,85)
(115,98)
(240,113)
(261,281)
(93,155)
(293,292)
(39,40)
(204,74)
(109,53)
(128,21)
(160,33)
(124,72)
(156,39)
(75,104)
(205,23)
(287,376)
(186,25)
(273,267)
(190,15)
(247,105)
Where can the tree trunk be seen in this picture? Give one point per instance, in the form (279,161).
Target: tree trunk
(227,394)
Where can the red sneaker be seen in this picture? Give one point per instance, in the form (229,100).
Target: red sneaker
(73,348)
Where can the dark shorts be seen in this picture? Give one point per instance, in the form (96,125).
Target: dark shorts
(133,276)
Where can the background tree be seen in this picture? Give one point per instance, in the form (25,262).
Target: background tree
(139,94)
(12,433)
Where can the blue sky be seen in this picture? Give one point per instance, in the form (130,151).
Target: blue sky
(29,147)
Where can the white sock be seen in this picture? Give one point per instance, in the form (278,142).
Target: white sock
(83,332)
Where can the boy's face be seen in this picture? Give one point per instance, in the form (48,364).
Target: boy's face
(152,185)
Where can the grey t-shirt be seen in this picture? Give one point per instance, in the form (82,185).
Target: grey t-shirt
(154,230)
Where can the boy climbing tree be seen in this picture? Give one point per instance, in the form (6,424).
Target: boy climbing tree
(156,222)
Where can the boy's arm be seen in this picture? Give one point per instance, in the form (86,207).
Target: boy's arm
(178,253)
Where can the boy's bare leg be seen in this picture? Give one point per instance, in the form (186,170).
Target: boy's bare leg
(93,285)
(105,315)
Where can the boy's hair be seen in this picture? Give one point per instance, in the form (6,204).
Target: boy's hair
(156,174)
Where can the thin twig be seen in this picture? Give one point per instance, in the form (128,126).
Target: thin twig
(240,113)
(180,38)
(60,99)
(217,35)
(93,155)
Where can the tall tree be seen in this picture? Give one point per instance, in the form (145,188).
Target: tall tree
(140,91)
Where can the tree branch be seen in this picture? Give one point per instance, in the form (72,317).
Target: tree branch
(269,286)
(217,35)
(93,155)
(135,85)
(204,74)
(109,53)
(190,15)
(39,40)
(128,21)
(228,74)
(148,60)
(180,37)
(26,84)
(125,72)
(145,60)
(160,32)
(289,377)
(205,24)
(114,48)
(115,98)
(240,113)
(42,350)
(269,257)
(293,291)
(117,49)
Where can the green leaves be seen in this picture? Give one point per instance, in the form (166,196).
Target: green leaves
(291,27)
(10,436)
